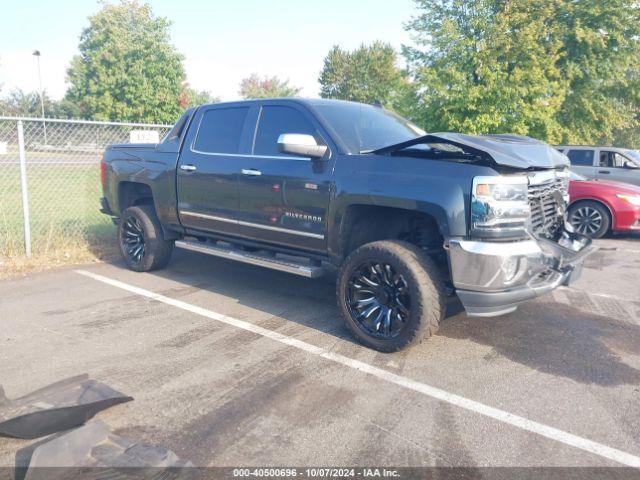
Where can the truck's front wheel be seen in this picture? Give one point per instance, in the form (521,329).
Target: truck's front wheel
(390,294)
(141,242)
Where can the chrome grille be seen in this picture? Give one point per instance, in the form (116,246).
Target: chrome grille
(547,206)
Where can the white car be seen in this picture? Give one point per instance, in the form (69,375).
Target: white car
(606,163)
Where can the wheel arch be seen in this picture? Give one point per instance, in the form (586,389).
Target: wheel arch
(363,223)
(132,194)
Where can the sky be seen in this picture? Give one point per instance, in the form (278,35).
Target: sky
(223,41)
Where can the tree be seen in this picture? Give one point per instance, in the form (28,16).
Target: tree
(192,98)
(65,108)
(127,69)
(26,104)
(601,46)
(557,70)
(486,66)
(266,87)
(367,74)
(17,103)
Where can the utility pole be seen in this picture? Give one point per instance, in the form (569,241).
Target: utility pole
(36,53)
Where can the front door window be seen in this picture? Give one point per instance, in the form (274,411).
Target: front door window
(609,159)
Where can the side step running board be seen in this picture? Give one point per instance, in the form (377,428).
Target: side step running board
(302,269)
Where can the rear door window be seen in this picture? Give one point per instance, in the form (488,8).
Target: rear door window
(276,120)
(176,132)
(581,157)
(221,130)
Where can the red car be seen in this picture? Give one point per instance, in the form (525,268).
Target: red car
(599,206)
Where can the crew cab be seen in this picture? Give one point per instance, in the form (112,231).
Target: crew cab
(407,218)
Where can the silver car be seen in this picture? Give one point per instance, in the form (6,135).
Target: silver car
(604,163)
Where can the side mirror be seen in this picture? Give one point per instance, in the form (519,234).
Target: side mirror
(300,144)
(630,165)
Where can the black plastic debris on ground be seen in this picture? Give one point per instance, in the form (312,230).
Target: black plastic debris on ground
(93,451)
(60,406)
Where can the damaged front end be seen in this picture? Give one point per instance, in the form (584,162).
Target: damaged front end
(493,278)
(519,244)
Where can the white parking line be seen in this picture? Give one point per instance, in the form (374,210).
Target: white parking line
(618,249)
(561,436)
(590,294)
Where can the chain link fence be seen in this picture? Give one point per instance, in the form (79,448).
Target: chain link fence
(49,194)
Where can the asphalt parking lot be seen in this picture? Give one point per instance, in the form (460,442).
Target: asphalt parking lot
(213,385)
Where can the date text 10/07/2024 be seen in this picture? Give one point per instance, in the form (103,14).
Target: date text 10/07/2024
(316,472)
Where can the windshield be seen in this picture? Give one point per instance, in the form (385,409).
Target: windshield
(635,155)
(363,128)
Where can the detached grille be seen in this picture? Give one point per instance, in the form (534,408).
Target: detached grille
(547,206)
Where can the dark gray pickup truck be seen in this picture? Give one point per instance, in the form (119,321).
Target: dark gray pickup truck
(407,218)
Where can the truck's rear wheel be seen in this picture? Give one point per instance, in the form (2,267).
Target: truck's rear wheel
(390,294)
(141,242)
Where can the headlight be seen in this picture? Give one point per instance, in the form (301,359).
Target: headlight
(632,199)
(499,206)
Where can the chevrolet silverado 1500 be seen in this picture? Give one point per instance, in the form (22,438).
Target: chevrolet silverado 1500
(407,218)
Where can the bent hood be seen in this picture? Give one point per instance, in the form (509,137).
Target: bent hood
(507,150)
(512,150)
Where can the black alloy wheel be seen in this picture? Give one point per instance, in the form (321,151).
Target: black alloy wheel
(390,294)
(134,242)
(141,239)
(379,299)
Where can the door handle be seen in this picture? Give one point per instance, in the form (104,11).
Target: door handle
(250,171)
(604,171)
(188,168)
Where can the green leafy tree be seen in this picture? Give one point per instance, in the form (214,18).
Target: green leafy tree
(65,108)
(192,98)
(266,87)
(26,104)
(368,74)
(127,68)
(487,66)
(558,70)
(18,103)
(601,47)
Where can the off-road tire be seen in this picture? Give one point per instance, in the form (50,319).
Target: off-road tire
(157,250)
(424,284)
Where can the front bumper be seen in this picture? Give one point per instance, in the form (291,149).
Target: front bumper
(627,218)
(493,278)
